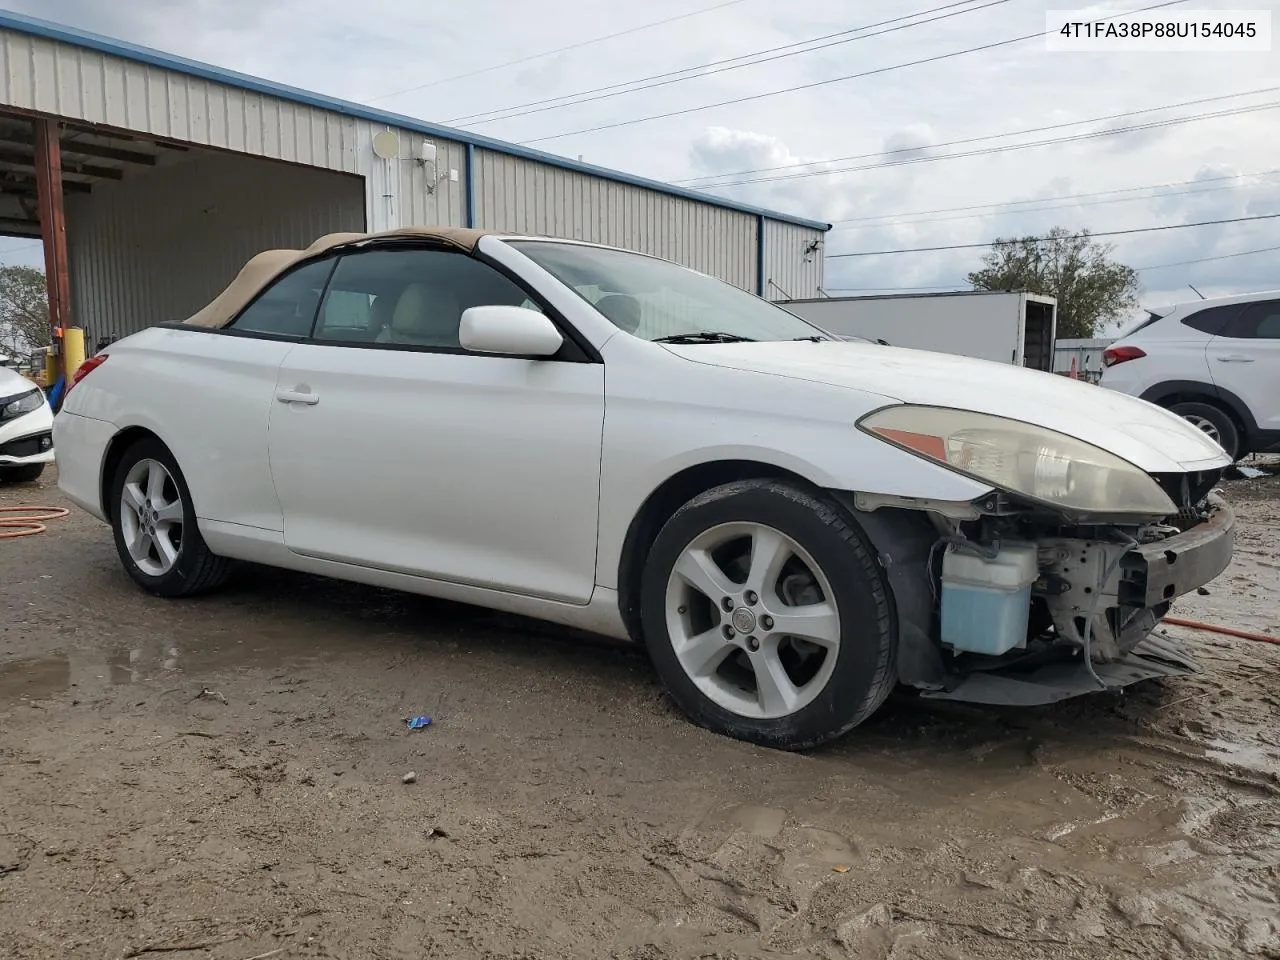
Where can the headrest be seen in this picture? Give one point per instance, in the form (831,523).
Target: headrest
(622,310)
(426,314)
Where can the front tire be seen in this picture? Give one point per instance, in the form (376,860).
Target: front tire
(1215,422)
(767,615)
(27,473)
(154,524)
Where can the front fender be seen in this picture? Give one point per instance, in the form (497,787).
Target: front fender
(645,447)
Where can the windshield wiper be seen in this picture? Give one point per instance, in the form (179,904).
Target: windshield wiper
(704,336)
(813,339)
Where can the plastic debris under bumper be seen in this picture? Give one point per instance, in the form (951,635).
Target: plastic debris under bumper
(1155,656)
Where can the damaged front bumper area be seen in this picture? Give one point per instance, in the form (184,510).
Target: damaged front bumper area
(1096,598)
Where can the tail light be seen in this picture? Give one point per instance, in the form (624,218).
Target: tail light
(86,368)
(1113,355)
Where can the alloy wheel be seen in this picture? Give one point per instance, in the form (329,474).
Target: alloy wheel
(752,620)
(151,517)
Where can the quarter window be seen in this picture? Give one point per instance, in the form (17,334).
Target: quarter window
(409,297)
(287,307)
(1257,321)
(1213,320)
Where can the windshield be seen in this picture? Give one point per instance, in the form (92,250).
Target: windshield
(658,300)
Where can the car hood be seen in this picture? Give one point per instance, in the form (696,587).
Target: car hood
(1146,435)
(13,383)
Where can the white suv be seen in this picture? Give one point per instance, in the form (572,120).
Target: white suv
(1215,362)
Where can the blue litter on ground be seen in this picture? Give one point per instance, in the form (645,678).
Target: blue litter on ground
(417,723)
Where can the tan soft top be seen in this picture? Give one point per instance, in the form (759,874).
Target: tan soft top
(266,266)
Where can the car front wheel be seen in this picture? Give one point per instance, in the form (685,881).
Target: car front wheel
(767,615)
(155,525)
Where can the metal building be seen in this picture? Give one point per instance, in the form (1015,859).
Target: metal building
(175,172)
(1086,353)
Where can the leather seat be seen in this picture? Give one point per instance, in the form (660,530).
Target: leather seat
(424,316)
(380,313)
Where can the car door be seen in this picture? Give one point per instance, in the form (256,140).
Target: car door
(1245,359)
(393,447)
(222,387)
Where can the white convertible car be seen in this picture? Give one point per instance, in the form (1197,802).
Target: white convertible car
(790,523)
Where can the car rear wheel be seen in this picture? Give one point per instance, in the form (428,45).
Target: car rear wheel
(27,473)
(767,615)
(155,525)
(1215,422)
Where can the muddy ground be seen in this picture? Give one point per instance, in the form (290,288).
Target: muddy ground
(563,809)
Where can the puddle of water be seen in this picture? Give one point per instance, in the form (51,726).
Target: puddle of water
(1251,756)
(762,822)
(34,678)
(39,678)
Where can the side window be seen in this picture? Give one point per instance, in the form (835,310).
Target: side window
(412,297)
(1257,321)
(288,306)
(1213,320)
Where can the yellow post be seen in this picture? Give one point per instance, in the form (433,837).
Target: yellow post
(50,367)
(72,351)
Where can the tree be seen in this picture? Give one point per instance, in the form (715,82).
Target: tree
(1091,288)
(24,310)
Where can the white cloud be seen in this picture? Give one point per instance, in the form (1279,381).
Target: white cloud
(910,142)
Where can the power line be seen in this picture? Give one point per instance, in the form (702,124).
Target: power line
(822,83)
(1074,236)
(715,66)
(1057,206)
(966,140)
(1073,196)
(572,46)
(1222,256)
(1159,266)
(19,246)
(957,287)
(1006,148)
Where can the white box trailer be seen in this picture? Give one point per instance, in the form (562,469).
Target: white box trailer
(1017,328)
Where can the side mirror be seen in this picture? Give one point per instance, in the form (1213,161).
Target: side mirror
(518,331)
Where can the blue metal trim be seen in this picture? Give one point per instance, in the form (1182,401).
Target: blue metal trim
(471,184)
(36,27)
(759,256)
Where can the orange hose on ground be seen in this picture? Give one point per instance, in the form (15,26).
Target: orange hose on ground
(28,526)
(1226,631)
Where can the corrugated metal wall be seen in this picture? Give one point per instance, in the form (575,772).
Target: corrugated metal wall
(510,193)
(525,196)
(158,246)
(795,273)
(70,81)
(405,191)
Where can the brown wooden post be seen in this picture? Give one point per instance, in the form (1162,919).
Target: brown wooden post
(53,225)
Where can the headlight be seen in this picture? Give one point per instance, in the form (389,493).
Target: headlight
(11,407)
(1022,458)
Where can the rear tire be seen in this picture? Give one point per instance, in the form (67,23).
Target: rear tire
(154,524)
(728,574)
(1215,422)
(27,473)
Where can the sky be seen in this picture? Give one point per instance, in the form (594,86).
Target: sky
(448,62)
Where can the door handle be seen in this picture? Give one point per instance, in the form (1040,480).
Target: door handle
(1233,358)
(297,396)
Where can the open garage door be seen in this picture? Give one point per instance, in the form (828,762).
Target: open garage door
(156,229)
